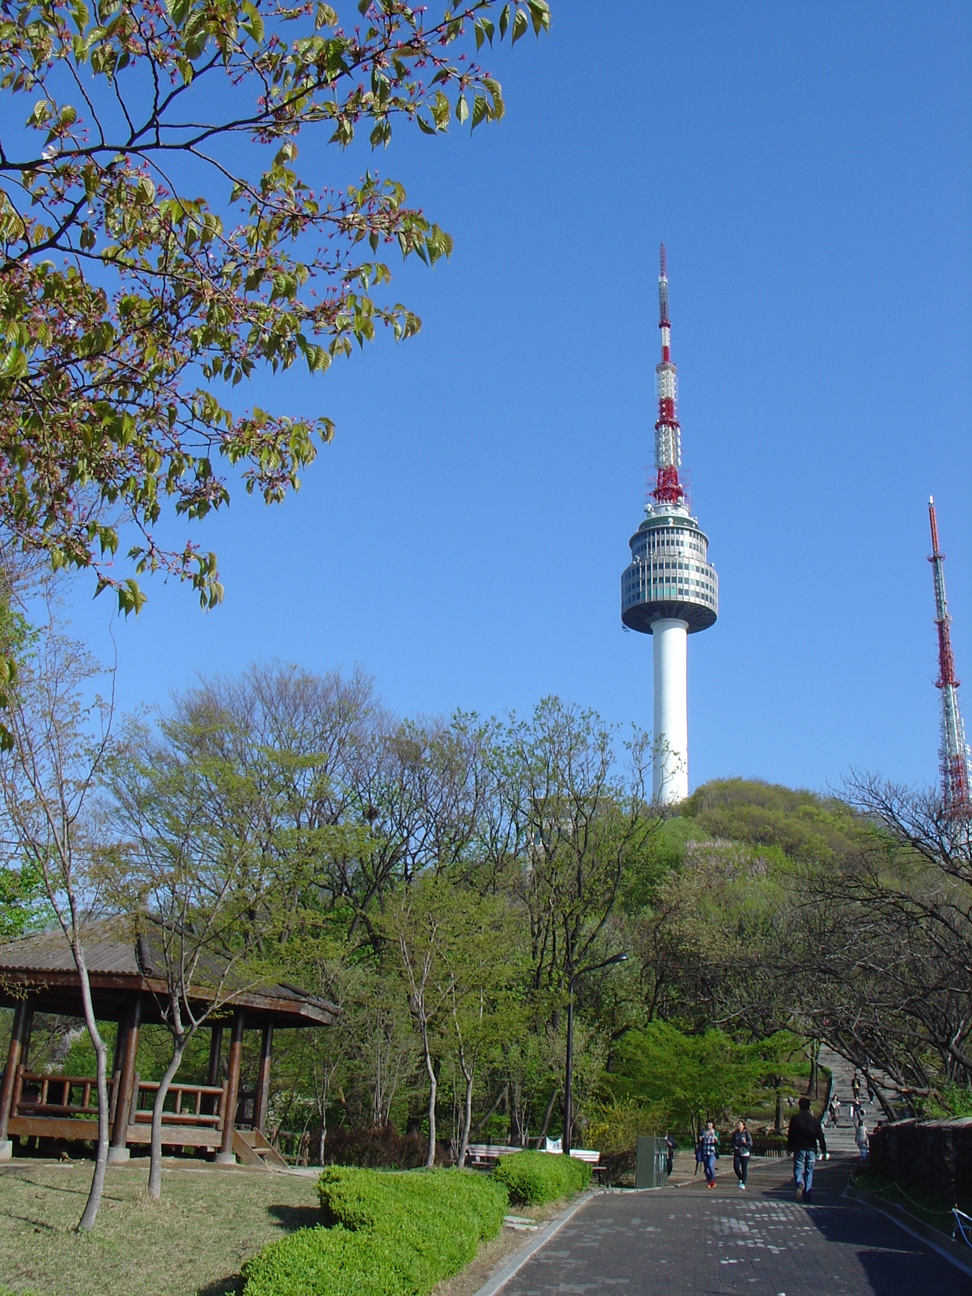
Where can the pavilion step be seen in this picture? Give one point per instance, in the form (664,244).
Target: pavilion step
(255,1150)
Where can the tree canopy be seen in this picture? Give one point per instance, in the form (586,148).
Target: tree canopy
(161,242)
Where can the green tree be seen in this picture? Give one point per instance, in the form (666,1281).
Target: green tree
(159,240)
(696,1077)
(189,851)
(454,950)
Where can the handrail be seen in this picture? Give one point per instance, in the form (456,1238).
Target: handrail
(61,1079)
(188,1098)
(153,1086)
(40,1105)
(962,1222)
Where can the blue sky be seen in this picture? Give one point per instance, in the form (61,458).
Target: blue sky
(464,536)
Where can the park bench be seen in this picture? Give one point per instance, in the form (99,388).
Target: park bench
(487,1154)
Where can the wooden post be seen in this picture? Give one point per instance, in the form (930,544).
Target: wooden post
(262,1096)
(211,1102)
(28,1032)
(215,1053)
(23,1016)
(225,1154)
(118,1149)
(116,1061)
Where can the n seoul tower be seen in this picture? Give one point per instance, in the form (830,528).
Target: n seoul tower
(669,590)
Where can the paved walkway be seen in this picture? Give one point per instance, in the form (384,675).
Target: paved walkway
(694,1241)
(841,1139)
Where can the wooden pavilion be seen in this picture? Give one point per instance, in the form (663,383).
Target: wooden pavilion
(126,974)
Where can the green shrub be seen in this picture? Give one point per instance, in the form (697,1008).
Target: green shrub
(533,1178)
(384,1235)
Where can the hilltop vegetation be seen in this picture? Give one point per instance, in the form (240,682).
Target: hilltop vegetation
(444,882)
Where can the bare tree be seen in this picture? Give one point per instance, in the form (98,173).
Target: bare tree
(58,744)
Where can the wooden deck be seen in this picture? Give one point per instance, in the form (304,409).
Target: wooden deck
(83,1129)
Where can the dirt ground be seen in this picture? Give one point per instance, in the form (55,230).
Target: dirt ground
(192,1243)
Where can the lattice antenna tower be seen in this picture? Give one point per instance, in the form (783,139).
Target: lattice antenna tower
(954,756)
(668,434)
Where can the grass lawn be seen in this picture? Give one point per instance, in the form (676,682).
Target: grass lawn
(192,1243)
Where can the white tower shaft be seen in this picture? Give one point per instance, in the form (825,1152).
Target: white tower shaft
(670,752)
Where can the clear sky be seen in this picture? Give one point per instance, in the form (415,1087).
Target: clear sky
(464,536)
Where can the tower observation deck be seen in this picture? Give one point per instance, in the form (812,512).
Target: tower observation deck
(670,589)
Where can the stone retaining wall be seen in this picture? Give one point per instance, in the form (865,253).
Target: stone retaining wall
(934,1155)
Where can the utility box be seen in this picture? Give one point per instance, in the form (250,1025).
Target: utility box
(651,1162)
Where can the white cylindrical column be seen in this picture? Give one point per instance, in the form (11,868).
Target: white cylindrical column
(670,747)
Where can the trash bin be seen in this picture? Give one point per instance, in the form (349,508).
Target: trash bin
(651,1162)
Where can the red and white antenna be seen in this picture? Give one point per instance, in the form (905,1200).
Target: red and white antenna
(954,755)
(668,435)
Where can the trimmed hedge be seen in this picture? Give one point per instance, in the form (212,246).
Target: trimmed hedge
(385,1235)
(534,1178)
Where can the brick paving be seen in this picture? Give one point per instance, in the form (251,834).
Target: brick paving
(694,1241)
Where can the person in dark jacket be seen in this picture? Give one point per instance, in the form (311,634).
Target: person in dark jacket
(802,1138)
(669,1153)
(742,1147)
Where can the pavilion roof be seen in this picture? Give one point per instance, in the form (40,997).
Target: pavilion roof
(125,957)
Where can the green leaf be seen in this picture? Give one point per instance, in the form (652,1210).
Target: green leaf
(14,364)
(440,110)
(81,15)
(520,25)
(424,126)
(254,25)
(178,11)
(130,597)
(462,109)
(504,20)
(480,111)
(496,90)
(540,13)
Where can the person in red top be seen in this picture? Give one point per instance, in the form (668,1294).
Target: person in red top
(803,1136)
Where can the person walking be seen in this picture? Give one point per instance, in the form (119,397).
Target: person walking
(742,1147)
(803,1136)
(669,1153)
(708,1151)
(861,1139)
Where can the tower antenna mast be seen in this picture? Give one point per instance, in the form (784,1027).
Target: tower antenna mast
(954,756)
(668,434)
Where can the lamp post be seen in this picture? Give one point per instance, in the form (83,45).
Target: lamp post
(568,1079)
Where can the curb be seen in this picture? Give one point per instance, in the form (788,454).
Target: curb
(514,1266)
(958,1255)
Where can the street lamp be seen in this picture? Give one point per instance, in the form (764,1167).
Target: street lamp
(568,1080)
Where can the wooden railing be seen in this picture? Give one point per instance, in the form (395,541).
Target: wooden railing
(190,1104)
(59,1095)
(51,1095)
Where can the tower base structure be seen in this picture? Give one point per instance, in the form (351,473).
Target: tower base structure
(670,753)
